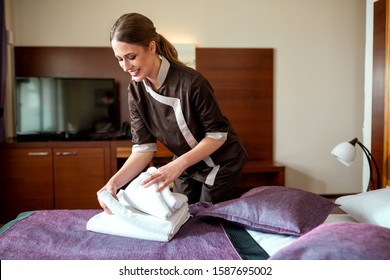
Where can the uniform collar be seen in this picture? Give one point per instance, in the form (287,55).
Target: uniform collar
(163,71)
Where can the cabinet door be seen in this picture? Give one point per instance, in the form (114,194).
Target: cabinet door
(78,174)
(26,181)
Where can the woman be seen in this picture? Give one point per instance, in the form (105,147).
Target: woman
(174,104)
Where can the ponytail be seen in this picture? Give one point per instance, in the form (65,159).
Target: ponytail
(166,49)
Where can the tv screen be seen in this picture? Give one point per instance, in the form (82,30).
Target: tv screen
(65,106)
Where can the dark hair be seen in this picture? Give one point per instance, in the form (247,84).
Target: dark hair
(134,28)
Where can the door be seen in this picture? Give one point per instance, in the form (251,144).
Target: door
(78,174)
(26,181)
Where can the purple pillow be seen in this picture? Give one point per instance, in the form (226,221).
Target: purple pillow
(339,241)
(274,209)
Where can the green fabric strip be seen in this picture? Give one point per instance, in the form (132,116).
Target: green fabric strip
(21,216)
(245,245)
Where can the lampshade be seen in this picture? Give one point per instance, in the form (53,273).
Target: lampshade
(345,152)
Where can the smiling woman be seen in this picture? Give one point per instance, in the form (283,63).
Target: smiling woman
(174,104)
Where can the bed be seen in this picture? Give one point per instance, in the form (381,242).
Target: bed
(266,223)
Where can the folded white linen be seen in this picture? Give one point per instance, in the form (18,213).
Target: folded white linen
(129,222)
(142,212)
(159,204)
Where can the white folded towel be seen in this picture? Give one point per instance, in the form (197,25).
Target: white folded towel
(159,204)
(128,222)
(142,212)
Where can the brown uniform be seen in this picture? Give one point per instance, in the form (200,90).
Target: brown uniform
(180,114)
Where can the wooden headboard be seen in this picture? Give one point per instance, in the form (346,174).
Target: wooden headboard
(242,80)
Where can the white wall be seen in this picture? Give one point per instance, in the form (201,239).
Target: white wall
(367,126)
(319,63)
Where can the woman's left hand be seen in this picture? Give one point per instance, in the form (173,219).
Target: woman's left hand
(164,175)
(169,172)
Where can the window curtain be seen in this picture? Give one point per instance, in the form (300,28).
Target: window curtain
(3,68)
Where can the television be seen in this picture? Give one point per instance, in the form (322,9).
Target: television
(54,108)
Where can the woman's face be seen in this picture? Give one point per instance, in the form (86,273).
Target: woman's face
(138,61)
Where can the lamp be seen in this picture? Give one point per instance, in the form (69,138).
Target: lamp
(345,152)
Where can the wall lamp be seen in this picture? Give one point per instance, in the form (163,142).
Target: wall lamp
(346,152)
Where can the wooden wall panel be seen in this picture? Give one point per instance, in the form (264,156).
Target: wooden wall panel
(243,83)
(378,89)
(386,121)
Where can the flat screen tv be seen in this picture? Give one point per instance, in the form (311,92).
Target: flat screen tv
(71,108)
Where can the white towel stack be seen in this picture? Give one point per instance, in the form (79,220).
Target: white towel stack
(142,212)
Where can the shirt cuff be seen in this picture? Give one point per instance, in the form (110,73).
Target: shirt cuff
(144,148)
(220,136)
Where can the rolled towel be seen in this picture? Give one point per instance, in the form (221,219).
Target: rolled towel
(160,204)
(173,200)
(115,206)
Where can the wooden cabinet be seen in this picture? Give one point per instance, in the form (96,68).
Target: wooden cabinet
(78,175)
(58,175)
(26,181)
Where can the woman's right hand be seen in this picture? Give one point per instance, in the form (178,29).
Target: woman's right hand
(129,170)
(110,188)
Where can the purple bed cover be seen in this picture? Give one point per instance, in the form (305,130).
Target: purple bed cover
(61,235)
